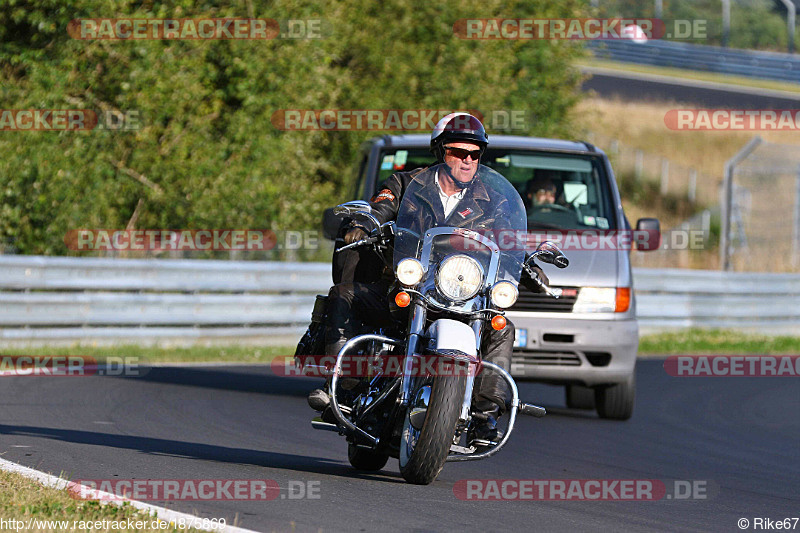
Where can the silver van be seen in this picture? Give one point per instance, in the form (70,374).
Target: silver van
(586,340)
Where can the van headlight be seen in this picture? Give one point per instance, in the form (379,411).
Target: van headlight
(504,294)
(595,300)
(459,277)
(409,271)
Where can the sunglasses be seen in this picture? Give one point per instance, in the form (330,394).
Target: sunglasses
(460,153)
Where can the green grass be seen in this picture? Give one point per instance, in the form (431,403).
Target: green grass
(234,354)
(693,341)
(697,341)
(22,499)
(692,75)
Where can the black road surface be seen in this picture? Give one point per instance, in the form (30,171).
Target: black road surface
(736,439)
(644,87)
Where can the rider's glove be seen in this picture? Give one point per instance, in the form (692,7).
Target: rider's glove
(530,284)
(354,235)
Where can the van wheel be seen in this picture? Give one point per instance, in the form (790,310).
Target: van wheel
(580,397)
(616,401)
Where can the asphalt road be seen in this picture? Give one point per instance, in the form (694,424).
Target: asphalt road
(738,437)
(646,87)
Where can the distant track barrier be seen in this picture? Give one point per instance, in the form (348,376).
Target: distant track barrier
(749,63)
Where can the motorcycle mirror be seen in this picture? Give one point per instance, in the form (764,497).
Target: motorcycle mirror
(351,208)
(548,252)
(388,228)
(358,208)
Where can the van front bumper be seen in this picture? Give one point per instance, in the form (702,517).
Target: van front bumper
(571,350)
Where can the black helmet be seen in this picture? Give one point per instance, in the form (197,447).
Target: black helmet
(457,127)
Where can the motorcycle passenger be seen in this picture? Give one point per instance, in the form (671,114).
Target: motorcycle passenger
(455,197)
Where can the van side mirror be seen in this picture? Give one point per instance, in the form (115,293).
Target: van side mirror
(647,235)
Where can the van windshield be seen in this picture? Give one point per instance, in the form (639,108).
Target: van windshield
(560,191)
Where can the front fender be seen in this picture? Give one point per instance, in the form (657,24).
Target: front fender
(454,337)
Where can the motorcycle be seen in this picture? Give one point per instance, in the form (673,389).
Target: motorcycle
(452,283)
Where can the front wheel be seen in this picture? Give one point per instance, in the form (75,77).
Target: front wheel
(424,451)
(616,402)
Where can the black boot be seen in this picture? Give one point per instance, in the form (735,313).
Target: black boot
(320,399)
(483,430)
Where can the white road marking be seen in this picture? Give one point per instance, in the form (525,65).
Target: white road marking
(163,514)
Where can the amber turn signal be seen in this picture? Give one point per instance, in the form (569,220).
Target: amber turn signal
(402,299)
(623,301)
(499,322)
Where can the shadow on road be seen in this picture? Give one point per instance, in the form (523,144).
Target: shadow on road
(206,452)
(257,378)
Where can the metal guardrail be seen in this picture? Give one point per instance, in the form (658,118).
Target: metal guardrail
(750,63)
(675,298)
(49,299)
(64,299)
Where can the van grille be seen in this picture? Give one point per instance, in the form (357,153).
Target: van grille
(530,301)
(526,356)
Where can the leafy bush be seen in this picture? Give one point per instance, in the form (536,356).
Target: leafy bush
(206,154)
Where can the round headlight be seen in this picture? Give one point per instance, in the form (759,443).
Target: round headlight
(409,271)
(460,277)
(504,294)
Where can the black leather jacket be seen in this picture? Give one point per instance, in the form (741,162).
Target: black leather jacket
(480,208)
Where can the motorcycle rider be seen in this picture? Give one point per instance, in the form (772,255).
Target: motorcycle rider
(458,141)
